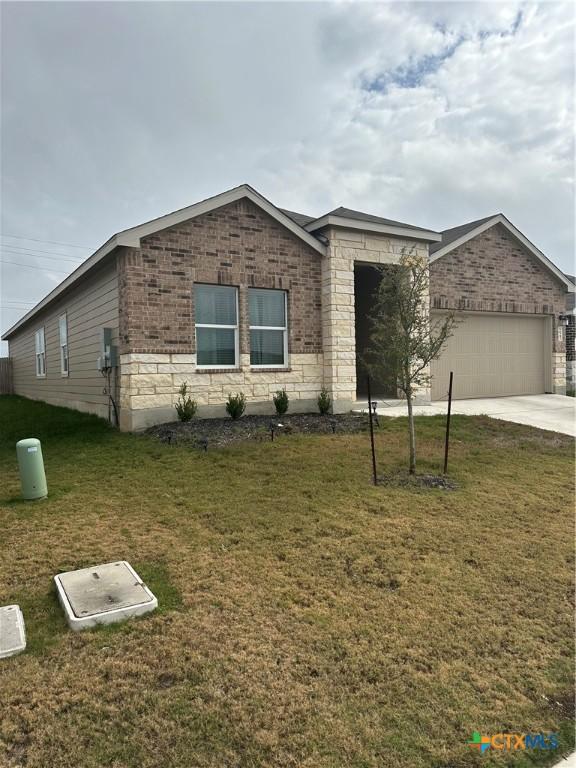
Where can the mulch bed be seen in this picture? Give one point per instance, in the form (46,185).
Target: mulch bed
(204,433)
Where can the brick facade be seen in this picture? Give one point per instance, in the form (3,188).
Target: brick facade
(237,245)
(240,245)
(492,272)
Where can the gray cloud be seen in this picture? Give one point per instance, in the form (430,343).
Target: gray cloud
(114,113)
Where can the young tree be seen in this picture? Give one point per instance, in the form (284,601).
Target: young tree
(402,338)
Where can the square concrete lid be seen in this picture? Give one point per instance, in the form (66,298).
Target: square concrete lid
(103,588)
(12,634)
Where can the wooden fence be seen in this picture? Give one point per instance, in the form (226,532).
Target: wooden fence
(5,376)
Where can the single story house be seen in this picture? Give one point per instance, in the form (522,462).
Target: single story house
(235,294)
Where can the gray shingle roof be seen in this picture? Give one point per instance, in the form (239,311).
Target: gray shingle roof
(348,213)
(300,218)
(449,235)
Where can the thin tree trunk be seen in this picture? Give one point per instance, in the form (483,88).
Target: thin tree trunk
(412,433)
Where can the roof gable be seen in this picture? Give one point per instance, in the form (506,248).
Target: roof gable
(452,238)
(131,238)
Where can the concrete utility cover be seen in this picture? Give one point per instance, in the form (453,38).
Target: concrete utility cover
(12,634)
(103,594)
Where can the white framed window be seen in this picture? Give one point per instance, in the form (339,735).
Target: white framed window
(40,347)
(63,331)
(268,328)
(216,310)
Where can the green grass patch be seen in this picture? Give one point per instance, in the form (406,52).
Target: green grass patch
(306,617)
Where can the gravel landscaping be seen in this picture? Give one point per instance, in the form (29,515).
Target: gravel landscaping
(220,432)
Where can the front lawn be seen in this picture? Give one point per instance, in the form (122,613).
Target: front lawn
(306,618)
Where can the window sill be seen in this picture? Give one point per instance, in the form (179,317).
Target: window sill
(218,370)
(264,369)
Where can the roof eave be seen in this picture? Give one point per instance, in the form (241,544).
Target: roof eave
(87,265)
(131,238)
(218,201)
(369,226)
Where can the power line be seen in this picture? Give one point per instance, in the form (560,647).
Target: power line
(34,266)
(39,255)
(34,251)
(23,301)
(52,242)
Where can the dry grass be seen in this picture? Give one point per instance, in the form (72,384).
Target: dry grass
(307,618)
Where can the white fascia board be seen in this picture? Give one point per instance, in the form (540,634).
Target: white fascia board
(501,219)
(131,237)
(370,226)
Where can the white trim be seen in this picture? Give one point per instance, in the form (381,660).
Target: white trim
(61,345)
(235,328)
(285,364)
(40,352)
(372,226)
(131,237)
(501,219)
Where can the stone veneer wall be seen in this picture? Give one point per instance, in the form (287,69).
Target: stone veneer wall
(237,245)
(494,273)
(150,384)
(338,316)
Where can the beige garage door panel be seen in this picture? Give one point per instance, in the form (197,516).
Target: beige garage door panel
(491,356)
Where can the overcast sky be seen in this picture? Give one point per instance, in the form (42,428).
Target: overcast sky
(430,113)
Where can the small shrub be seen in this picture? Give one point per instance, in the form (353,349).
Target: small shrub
(186,406)
(281,402)
(236,405)
(324,401)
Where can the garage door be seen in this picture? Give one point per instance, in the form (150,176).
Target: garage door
(493,355)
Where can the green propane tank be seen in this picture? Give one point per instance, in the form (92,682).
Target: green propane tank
(31,464)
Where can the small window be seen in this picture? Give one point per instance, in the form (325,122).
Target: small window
(268,328)
(216,308)
(40,346)
(63,330)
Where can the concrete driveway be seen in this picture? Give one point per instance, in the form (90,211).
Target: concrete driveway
(554,412)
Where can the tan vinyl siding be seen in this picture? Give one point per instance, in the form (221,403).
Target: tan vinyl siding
(89,306)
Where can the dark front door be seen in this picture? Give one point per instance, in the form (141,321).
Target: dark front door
(366,281)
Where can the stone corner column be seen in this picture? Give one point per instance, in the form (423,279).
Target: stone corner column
(558,358)
(338,328)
